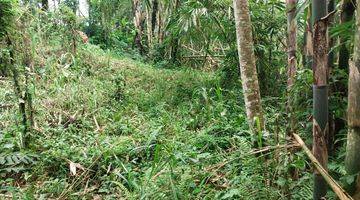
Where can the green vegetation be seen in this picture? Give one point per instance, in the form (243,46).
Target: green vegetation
(152,106)
(136,128)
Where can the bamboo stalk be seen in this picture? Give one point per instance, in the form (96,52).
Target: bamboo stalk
(340,192)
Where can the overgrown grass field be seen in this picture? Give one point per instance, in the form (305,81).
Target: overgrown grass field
(109,127)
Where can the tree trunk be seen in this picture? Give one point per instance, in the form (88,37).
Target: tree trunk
(353,141)
(347,14)
(19,94)
(331,59)
(149,25)
(247,64)
(138,25)
(320,92)
(292,65)
(175,36)
(292,44)
(291,48)
(308,41)
(154,14)
(163,12)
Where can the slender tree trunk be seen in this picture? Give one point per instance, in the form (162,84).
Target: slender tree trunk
(163,12)
(291,48)
(152,23)
(353,141)
(154,15)
(308,41)
(149,26)
(292,65)
(347,14)
(73,43)
(331,59)
(29,69)
(19,95)
(320,91)
(247,64)
(175,36)
(138,25)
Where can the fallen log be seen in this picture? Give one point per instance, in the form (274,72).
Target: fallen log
(340,192)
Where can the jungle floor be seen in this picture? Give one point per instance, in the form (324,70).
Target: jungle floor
(109,127)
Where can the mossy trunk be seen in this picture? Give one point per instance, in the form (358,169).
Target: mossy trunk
(249,76)
(19,94)
(352,161)
(320,92)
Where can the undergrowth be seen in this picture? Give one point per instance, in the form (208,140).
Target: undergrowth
(133,131)
(110,127)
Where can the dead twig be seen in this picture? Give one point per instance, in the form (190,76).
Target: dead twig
(78,180)
(98,128)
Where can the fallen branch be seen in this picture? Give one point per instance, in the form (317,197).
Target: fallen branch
(6,106)
(341,193)
(269,148)
(204,56)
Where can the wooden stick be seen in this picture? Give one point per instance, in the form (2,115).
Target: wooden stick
(96,123)
(341,193)
(204,56)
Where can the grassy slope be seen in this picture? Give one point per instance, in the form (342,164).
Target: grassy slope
(138,131)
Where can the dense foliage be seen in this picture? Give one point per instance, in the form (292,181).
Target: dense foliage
(107,120)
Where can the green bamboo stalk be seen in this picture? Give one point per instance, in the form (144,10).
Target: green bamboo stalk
(320,93)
